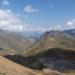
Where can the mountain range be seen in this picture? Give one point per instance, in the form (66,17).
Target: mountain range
(70,32)
(53,52)
(11,43)
(52,39)
(54,46)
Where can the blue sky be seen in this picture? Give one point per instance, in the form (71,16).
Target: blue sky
(37,15)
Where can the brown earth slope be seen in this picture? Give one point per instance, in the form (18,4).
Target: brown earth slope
(9,68)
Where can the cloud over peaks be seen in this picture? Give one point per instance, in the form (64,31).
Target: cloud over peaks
(71,23)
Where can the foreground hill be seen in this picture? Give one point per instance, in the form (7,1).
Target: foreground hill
(11,42)
(52,39)
(9,68)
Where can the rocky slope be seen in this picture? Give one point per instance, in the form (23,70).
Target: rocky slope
(52,39)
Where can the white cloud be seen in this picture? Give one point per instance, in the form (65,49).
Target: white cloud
(5,3)
(58,26)
(37,29)
(71,23)
(30,8)
(9,21)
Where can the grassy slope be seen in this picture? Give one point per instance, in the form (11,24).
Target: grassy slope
(10,68)
(13,42)
(54,40)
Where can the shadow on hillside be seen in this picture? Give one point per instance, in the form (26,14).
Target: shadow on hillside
(52,55)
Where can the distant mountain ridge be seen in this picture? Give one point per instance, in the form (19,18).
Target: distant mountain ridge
(12,42)
(70,32)
(52,39)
